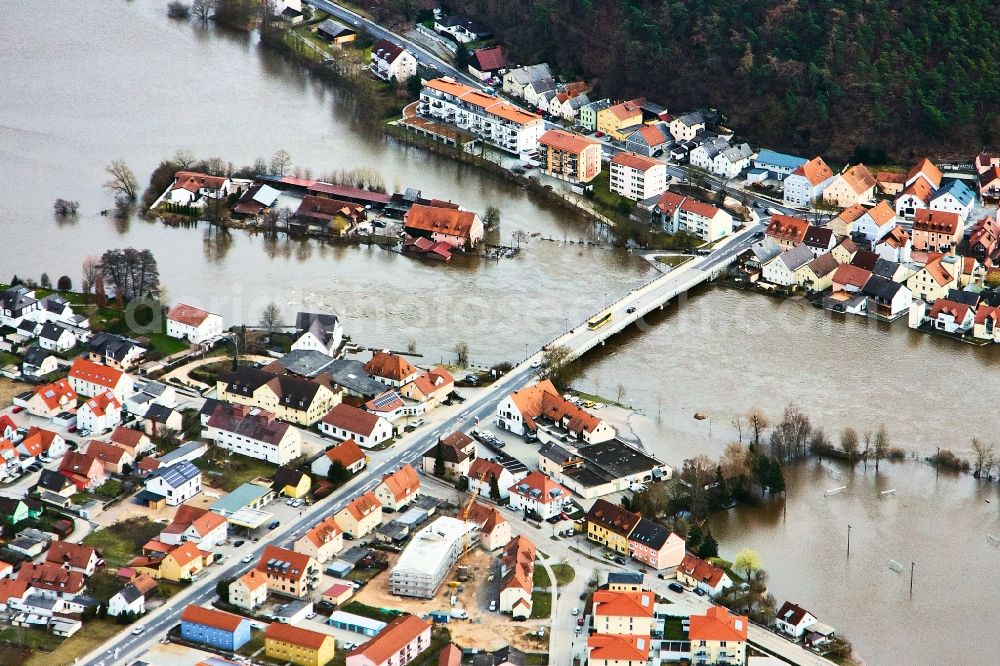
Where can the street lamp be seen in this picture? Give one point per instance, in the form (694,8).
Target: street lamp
(848,540)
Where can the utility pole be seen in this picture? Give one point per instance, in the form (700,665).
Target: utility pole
(912,564)
(848,541)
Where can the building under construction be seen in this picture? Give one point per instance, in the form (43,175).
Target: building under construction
(425,562)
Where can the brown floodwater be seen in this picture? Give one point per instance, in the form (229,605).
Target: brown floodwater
(96,84)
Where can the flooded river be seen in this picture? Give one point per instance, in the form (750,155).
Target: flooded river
(127,83)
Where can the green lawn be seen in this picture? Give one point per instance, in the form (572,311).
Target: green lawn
(120,542)
(541,605)
(255,643)
(564,573)
(229,471)
(164,343)
(371,612)
(94,633)
(32,638)
(673,630)
(541,576)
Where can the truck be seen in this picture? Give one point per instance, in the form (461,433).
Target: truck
(459,614)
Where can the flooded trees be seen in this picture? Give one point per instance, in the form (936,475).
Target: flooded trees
(122,183)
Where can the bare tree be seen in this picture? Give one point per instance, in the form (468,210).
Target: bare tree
(184,159)
(758,422)
(880,445)
(739,422)
(65,208)
(555,360)
(270,317)
(91,274)
(520,236)
(983,452)
(733,462)
(411,347)
(491,218)
(849,444)
(202,10)
(123,183)
(461,353)
(620,393)
(280,162)
(866,451)
(819,444)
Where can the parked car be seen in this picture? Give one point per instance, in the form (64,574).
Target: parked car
(575,611)
(274,525)
(700,592)
(238,543)
(493,605)
(676,587)
(630,310)
(579,622)
(248,559)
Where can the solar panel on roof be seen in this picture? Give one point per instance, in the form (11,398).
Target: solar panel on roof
(384,400)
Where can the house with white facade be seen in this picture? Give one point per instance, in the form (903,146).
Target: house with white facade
(732,160)
(876,222)
(254,432)
(777,165)
(954,197)
(793,620)
(539,495)
(807,183)
(202,526)
(521,411)
(195,325)
(481,474)
(531,77)
(636,177)
(895,245)
(102,412)
(347,422)
(190,188)
(680,213)
(463,29)
(127,600)
(318,332)
(498,123)
(687,126)
(54,337)
(392,62)
(175,484)
(16,303)
(89,379)
(781,269)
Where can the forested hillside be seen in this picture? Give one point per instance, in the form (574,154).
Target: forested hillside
(904,76)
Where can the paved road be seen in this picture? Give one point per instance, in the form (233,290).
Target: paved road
(424,56)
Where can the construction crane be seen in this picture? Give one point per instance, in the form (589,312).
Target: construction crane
(465,515)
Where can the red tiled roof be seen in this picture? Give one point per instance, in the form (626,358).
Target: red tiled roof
(547,488)
(212,618)
(489,59)
(74,554)
(95,373)
(700,570)
(928,169)
(298,562)
(286,633)
(787,228)
(390,366)
(633,161)
(566,141)
(106,453)
(347,453)
(402,483)
(815,171)
(624,604)
(936,221)
(848,274)
(323,531)
(351,419)
(718,625)
(192,181)
(363,506)
(395,636)
(615,647)
(187,315)
(943,306)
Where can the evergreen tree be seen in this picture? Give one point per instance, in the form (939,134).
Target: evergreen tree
(337,475)
(494,488)
(439,460)
(709,546)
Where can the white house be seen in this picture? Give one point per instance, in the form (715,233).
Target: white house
(89,379)
(318,332)
(876,222)
(537,493)
(687,126)
(191,523)
(954,197)
(347,422)
(482,471)
(703,156)
(895,245)
(463,29)
(519,412)
(516,80)
(390,61)
(793,620)
(254,433)
(637,177)
(916,196)
(187,322)
(191,187)
(347,453)
(951,316)
(100,413)
(679,213)
(732,160)
(781,269)
(129,599)
(806,184)
(17,303)
(498,123)
(56,338)
(175,484)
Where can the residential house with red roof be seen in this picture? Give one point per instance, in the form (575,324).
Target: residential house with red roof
(347,453)
(989,184)
(457,452)
(112,457)
(361,516)
(787,231)
(398,643)
(890,183)
(855,185)
(99,414)
(328,215)
(249,591)
(390,61)
(195,325)
(215,628)
(571,157)
(49,400)
(180,562)
(52,581)
(807,183)
(10,460)
(89,379)
(494,530)
(984,240)
(793,620)
(936,231)
(346,422)
(391,369)
(398,489)
(39,442)
(933,281)
(83,470)
(539,495)
(322,541)
(952,316)
(916,196)
(876,222)
(637,177)
(190,187)
(253,432)
(696,572)
(429,388)
(648,139)
(487,63)
(620,120)
(288,572)
(289,644)
(73,557)
(481,474)
(718,637)
(458,228)
(8,429)
(987,324)
(133,441)
(517,571)
(201,526)
(521,411)
(623,613)
(618,650)
(896,245)
(924,170)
